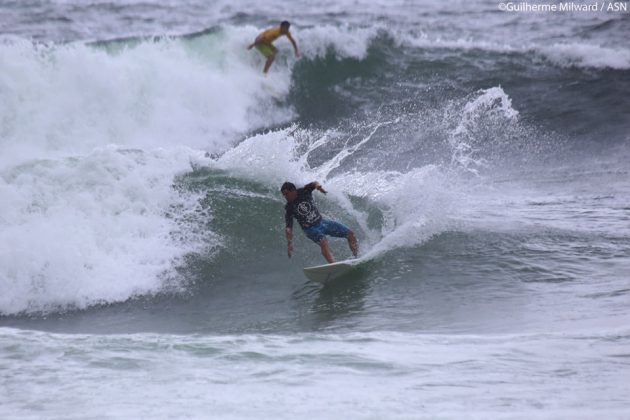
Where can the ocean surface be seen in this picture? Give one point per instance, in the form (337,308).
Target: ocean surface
(481,157)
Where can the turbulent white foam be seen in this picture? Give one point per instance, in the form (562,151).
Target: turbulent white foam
(346,42)
(423,40)
(415,205)
(73,98)
(377,374)
(201,92)
(494,99)
(422,202)
(269,157)
(84,220)
(585,55)
(571,54)
(79,231)
(485,105)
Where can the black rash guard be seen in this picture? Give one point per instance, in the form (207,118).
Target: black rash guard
(303,209)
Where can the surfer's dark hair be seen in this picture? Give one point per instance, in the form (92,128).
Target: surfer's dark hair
(285,23)
(287,186)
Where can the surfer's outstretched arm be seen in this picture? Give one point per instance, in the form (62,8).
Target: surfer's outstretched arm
(315,186)
(289,232)
(295,47)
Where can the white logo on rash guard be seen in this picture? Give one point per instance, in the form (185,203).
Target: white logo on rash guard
(305,209)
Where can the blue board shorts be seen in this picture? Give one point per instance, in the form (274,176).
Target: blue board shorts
(326,227)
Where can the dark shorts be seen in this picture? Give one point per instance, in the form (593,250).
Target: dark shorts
(326,227)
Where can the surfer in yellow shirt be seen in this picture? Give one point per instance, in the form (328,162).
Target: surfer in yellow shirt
(263,43)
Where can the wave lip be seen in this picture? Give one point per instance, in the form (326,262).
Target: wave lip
(585,55)
(565,54)
(202,93)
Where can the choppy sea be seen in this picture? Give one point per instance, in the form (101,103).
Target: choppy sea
(481,157)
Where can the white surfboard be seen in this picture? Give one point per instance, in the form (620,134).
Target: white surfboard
(327,272)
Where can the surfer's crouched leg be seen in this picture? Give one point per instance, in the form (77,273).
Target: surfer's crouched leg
(353,243)
(269,51)
(323,244)
(318,232)
(339,230)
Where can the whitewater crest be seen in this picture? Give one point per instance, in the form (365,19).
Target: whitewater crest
(72,98)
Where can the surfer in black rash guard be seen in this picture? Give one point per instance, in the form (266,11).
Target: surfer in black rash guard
(301,206)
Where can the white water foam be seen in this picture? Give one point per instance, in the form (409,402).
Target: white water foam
(91,229)
(73,98)
(91,139)
(344,41)
(415,205)
(586,55)
(567,54)
(71,202)
(377,374)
